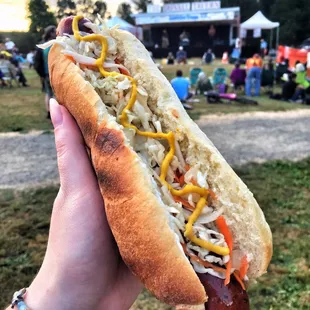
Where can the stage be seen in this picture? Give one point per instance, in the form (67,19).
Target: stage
(204,25)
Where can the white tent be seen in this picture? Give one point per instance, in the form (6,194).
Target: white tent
(259,21)
(114,21)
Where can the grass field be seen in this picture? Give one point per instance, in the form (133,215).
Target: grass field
(281,188)
(22,109)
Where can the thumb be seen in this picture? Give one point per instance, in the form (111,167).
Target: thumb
(75,170)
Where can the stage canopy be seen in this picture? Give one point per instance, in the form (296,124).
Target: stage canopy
(259,21)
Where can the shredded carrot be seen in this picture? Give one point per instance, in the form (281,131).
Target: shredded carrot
(175,113)
(202,262)
(193,181)
(71,58)
(185,203)
(123,71)
(212,194)
(239,280)
(244,267)
(91,67)
(224,230)
(187,167)
(181,180)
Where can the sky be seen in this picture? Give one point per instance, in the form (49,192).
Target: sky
(13,13)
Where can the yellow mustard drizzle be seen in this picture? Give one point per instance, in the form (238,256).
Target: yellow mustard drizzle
(189,233)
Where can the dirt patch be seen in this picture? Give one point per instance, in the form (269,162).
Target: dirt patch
(30,159)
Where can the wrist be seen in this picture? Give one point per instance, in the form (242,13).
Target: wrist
(54,289)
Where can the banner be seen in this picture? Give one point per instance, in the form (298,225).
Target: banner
(210,5)
(184,17)
(177,7)
(257,33)
(153,8)
(243,33)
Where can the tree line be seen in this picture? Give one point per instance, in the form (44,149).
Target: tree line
(41,16)
(293,15)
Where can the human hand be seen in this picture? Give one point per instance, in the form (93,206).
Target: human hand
(82,268)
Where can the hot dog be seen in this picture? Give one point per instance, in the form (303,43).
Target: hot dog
(174,205)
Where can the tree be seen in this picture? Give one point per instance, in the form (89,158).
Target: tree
(294,20)
(40,16)
(90,10)
(247,7)
(65,8)
(124,11)
(141,5)
(100,8)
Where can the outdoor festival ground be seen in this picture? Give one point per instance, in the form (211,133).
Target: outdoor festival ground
(273,131)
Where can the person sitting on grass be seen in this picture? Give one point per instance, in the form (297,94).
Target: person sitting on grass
(181,86)
(238,76)
(268,76)
(2,79)
(14,72)
(170,59)
(207,57)
(303,87)
(289,87)
(181,56)
(203,84)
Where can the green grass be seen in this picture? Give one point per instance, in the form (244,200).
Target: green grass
(22,109)
(281,188)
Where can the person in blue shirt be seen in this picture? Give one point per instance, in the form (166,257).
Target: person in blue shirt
(263,48)
(181,86)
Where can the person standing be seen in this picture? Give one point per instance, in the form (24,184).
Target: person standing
(263,48)
(254,67)
(165,39)
(9,45)
(30,59)
(41,66)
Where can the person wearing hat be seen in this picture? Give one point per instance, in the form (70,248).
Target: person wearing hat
(181,56)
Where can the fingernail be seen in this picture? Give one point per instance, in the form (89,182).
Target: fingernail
(56,113)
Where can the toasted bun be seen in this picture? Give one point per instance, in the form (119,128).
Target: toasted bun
(136,217)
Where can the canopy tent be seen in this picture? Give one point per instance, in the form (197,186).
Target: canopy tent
(117,21)
(259,21)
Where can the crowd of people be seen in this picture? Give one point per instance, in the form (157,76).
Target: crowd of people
(295,86)
(252,77)
(12,63)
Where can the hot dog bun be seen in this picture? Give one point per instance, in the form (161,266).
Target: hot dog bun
(135,214)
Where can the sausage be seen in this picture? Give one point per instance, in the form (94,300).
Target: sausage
(65,26)
(222,297)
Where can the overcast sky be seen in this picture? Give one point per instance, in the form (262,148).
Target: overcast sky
(13,13)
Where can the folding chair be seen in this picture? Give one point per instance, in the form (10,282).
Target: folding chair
(8,77)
